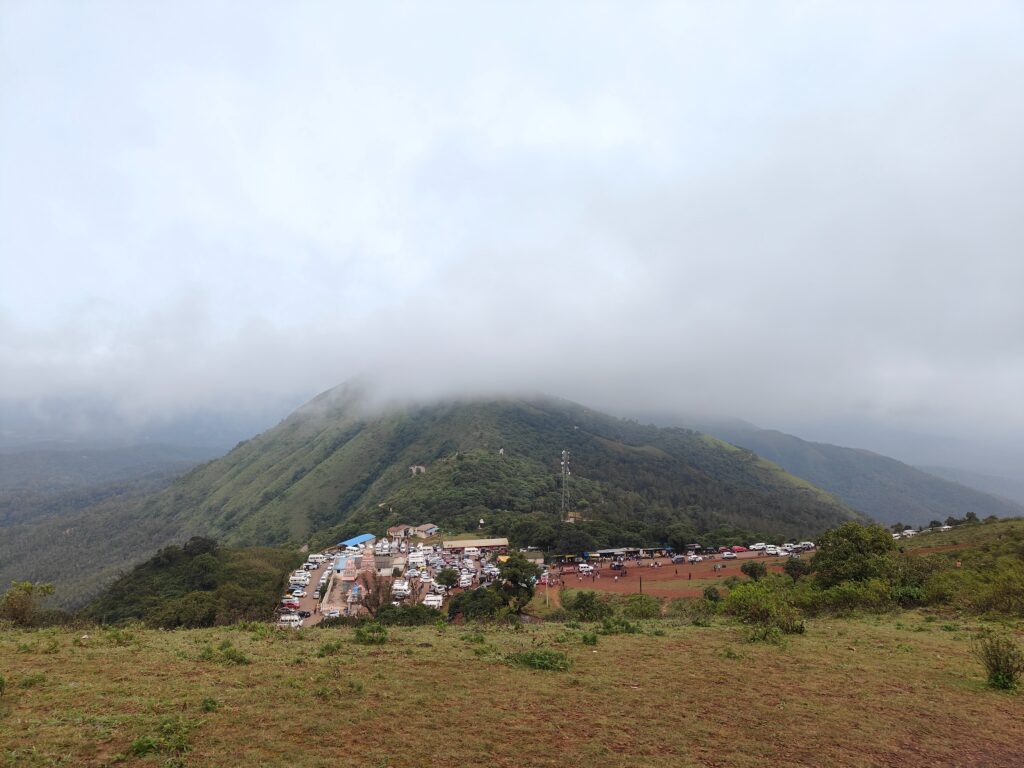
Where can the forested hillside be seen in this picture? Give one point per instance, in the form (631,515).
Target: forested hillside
(198,584)
(336,466)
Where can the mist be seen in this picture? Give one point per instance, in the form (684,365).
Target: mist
(805,216)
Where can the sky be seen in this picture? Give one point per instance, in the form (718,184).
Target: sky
(806,215)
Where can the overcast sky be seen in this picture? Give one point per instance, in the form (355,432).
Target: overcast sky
(801,214)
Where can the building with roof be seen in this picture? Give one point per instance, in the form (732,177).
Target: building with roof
(425,531)
(401,531)
(358,541)
(484,545)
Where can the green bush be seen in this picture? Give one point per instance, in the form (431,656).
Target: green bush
(209,705)
(417,615)
(1002,659)
(541,658)
(329,649)
(589,638)
(3,685)
(587,606)
(32,680)
(754,569)
(171,738)
(371,633)
(641,607)
(762,603)
(712,595)
(616,625)
(482,603)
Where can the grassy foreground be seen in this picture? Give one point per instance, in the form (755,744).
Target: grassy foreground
(897,690)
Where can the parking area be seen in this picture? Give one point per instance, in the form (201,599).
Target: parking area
(335,583)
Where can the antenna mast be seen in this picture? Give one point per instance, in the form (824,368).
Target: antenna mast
(566,517)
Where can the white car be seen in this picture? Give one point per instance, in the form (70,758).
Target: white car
(695,559)
(433,601)
(728,555)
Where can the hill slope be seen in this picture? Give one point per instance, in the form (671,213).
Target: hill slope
(1007,487)
(335,466)
(332,466)
(884,488)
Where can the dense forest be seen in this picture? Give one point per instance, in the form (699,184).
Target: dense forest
(199,584)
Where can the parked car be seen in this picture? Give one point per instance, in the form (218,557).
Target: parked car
(695,559)
(332,614)
(676,560)
(728,555)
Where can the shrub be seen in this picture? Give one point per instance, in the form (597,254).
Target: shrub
(171,738)
(641,607)
(541,658)
(371,633)
(3,684)
(232,655)
(712,595)
(616,625)
(406,615)
(329,649)
(589,638)
(32,680)
(761,603)
(755,569)
(587,606)
(1002,659)
(796,568)
(209,705)
(482,603)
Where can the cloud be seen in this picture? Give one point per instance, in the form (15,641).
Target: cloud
(796,214)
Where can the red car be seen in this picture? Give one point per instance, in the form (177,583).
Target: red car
(738,548)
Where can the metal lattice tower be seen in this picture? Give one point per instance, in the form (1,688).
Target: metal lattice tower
(566,472)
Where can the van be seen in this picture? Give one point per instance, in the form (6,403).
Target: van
(465,581)
(470,553)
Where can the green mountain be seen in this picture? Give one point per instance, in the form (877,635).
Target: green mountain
(886,489)
(337,466)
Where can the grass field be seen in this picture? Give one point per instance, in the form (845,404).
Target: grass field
(899,690)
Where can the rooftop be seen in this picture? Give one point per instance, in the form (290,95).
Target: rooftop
(355,541)
(478,543)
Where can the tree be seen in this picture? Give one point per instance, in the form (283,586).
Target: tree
(376,591)
(447,577)
(853,552)
(935,524)
(678,535)
(21,603)
(754,569)
(971,517)
(516,579)
(796,568)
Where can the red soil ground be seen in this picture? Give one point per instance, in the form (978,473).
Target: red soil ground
(683,580)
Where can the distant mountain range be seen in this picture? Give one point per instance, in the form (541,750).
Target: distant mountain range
(1006,487)
(886,489)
